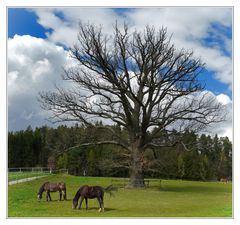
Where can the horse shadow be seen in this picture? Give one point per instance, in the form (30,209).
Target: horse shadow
(57,200)
(97,208)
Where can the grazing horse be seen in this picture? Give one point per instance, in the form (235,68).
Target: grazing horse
(49,187)
(224,180)
(86,192)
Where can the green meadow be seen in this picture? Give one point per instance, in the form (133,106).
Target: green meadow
(174,198)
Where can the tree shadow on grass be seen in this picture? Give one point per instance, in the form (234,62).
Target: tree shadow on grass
(193,189)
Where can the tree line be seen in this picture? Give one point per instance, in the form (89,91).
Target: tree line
(196,157)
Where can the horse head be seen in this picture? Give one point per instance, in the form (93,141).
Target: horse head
(76,197)
(39,197)
(74,203)
(41,190)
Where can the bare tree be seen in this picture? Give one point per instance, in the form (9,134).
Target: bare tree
(138,80)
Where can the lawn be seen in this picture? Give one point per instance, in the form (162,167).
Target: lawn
(175,198)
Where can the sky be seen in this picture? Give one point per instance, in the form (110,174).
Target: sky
(39,39)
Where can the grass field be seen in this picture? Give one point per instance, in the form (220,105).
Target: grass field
(175,198)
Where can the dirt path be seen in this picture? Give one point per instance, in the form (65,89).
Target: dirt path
(24,180)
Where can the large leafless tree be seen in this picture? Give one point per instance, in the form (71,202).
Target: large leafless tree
(137,80)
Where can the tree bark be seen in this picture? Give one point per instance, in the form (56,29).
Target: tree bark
(136,168)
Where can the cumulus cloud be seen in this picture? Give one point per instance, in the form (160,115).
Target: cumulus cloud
(64,22)
(34,65)
(189,27)
(224,99)
(223,128)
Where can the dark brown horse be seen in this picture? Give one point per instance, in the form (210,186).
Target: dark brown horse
(49,187)
(86,192)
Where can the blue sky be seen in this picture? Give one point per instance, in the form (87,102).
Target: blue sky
(208,31)
(22,22)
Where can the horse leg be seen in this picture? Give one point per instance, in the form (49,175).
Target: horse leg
(101,209)
(102,203)
(80,204)
(49,196)
(65,194)
(86,201)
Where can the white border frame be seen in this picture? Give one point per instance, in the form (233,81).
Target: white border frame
(123,3)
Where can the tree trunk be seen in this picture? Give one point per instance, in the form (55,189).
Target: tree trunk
(136,169)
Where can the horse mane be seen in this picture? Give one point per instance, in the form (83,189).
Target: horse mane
(77,196)
(41,189)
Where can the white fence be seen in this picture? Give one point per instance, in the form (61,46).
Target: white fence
(38,170)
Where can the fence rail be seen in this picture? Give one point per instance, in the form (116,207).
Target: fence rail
(37,170)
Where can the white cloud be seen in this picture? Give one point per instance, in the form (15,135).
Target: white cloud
(34,65)
(189,26)
(224,99)
(224,128)
(65,30)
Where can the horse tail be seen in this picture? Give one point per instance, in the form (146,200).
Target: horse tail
(109,189)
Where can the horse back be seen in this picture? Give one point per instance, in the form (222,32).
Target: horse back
(56,186)
(62,185)
(96,191)
(91,191)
